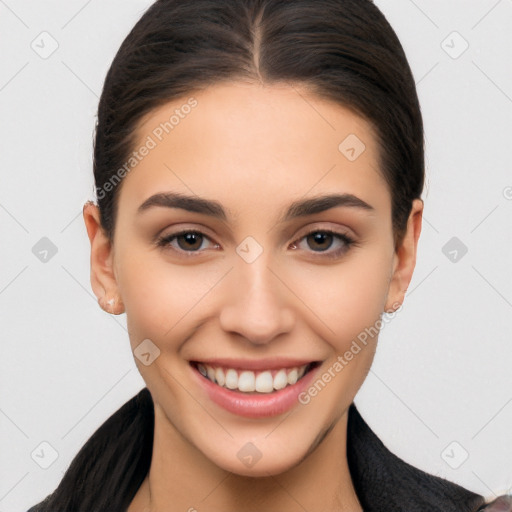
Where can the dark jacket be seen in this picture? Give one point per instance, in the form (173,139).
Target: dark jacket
(383,482)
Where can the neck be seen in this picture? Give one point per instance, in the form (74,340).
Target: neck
(182,479)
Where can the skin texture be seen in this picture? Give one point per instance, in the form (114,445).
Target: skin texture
(255,149)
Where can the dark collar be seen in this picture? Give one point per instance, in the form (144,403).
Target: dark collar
(384,482)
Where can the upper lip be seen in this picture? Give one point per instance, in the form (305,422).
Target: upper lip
(269,363)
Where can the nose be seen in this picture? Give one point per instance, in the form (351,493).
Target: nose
(258,305)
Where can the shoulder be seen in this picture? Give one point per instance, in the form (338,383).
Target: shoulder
(110,467)
(41,506)
(500,504)
(35,508)
(383,481)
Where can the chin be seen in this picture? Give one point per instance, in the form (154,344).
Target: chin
(260,468)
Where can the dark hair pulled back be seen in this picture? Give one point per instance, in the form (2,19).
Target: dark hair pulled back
(342,50)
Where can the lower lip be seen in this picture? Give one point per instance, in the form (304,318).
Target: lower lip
(261,405)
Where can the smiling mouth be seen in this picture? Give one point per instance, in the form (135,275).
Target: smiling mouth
(257,382)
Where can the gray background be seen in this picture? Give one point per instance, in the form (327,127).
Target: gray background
(440,389)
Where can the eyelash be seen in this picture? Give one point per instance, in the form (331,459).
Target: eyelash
(348,242)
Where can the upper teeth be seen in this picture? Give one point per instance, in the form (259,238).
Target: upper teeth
(248,381)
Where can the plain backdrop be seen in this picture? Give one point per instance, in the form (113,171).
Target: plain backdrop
(440,390)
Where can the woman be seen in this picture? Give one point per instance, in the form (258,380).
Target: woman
(234,136)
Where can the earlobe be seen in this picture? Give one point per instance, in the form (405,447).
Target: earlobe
(103,279)
(405,259)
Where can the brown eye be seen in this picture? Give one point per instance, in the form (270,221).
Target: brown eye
(320,241)
(191,241)
(186,241)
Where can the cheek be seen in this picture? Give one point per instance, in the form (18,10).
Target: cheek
(348,297)
(160,296)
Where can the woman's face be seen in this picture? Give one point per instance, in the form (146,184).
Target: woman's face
(260,285)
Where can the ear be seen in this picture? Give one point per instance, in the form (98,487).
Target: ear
(405,258)
(103,280)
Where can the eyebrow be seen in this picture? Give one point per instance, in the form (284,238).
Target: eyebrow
(299,208)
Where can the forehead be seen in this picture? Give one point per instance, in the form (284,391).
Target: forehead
(250,145)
